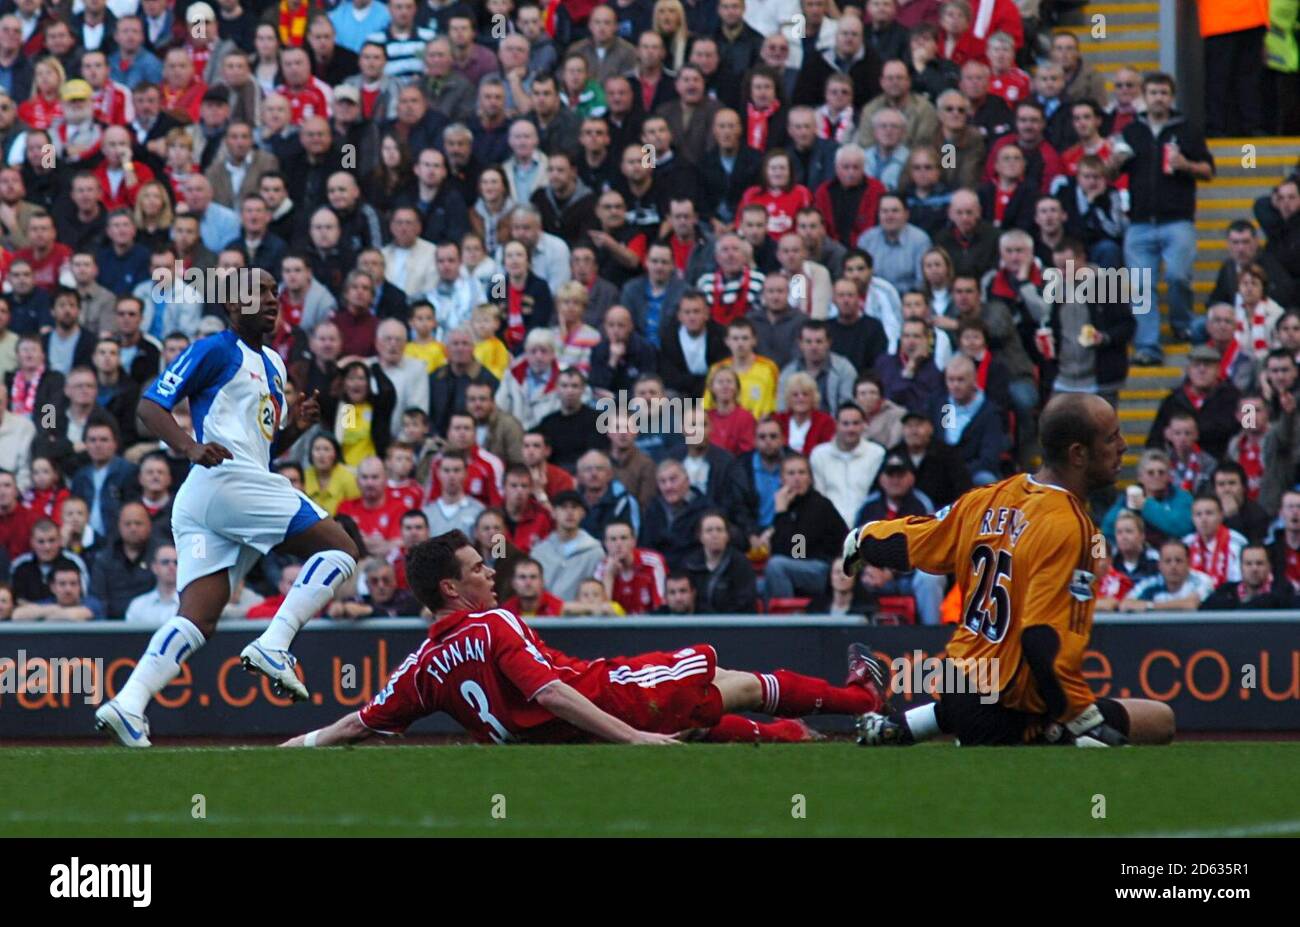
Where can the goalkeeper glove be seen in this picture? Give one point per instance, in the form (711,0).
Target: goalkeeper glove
(1088,729)
(852,552)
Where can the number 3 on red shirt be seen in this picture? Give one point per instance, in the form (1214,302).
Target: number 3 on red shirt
(473,693)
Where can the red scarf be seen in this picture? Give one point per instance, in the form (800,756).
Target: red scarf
(1263,590)
(1229,355)
(1250,456)
(514,316)
(758,118)
(1212,562)
(982,370)
(1258,332)
(1187,472)
(23,398)
(1114,585)
(1007,287)
(1195,398)
(1292,564)
(725,315)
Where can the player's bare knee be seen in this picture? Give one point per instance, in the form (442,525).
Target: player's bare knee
(1163,724)
(740,691)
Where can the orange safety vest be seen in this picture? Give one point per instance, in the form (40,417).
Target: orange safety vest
(1222,16)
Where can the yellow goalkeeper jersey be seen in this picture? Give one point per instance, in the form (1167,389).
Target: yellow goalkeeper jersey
(1022,553)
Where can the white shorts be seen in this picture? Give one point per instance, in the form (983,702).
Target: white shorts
(227,518)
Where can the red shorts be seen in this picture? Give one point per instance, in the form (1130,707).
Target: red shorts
(663,692)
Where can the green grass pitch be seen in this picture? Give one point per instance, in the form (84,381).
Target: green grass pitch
(1205,788)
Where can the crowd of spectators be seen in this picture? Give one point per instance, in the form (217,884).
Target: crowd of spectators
(651,299)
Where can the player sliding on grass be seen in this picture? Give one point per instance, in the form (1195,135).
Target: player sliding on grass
(1023,551)
(486,668)
(232,509)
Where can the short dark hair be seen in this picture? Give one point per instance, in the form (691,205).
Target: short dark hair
(430,562)
(1065,421)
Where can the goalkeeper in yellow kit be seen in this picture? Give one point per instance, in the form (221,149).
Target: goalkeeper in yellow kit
(1023,553)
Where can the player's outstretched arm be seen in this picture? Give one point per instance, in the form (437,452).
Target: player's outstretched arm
(346,730)
(159,423)
(568,704)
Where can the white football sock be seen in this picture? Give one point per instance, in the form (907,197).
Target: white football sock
(922,722)
(170,646)
(320,576)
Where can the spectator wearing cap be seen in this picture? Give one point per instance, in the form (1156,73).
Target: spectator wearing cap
(1207,397)
(204,42)
(568,555)
(898,497)
(78,135)
(969,421)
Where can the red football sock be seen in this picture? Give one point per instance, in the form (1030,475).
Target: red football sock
(736,729)
(792,695)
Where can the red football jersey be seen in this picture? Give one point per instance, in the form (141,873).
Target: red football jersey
(306,103)
(483,669)
(638,591)
(385,520)
(409,494)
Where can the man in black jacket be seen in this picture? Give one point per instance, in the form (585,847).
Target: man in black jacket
(1164,156)
(940,471)
(803,536)
(721,185)
(671,521)
(1258,588)
(121,571)
(690,345)
(713,471)
(1244,250)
